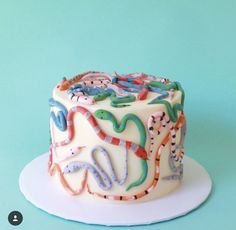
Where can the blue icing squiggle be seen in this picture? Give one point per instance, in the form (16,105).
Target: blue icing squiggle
(102,178)
(163,93)
(131,85)
(91,91)
(60,118)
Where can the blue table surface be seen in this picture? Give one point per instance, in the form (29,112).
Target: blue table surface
(189,41)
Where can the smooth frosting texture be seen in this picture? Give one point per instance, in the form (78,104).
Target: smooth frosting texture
(117,137)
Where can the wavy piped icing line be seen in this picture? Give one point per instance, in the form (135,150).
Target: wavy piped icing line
(101,177)
(172,86)
(81,98)
(163,120)
(83,94)
(118,88)
(66,84)
(69,154)
(133,84)
(155,180)
(136,149)
(120,127)
(109,139)
(171,110)
(55,168)
(177,170)
(96,170)
(66,185)
(60,118)
(166,122)
(110,165)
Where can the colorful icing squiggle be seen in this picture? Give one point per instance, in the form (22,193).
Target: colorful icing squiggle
(106,115)
(153,184)
(162,116)
(101,177)
(66,84)
(90,87)
(120,89)
(177,170)
(71,153)
(60,119)
(55,167)
(172,111)
(136,149)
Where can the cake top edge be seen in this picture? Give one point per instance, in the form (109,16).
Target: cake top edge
(114,78)
(93,87)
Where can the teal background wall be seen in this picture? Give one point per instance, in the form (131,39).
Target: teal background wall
(189,41)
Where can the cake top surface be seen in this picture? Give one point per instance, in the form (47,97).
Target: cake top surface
(111,91)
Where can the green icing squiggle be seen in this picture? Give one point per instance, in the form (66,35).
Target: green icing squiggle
(101,96)
(172,111)
(106,115)
(115,101)
(174,85)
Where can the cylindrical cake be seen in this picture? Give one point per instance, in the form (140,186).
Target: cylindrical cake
(117,137)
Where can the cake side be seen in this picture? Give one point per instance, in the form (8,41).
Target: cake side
(118,153)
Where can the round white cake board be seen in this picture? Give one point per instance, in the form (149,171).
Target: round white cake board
(38,187)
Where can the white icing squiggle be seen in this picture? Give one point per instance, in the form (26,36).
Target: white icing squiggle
(71,153)
(81,98)
(100,176)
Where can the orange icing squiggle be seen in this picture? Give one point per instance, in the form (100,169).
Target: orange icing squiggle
(153,184)
(54,167)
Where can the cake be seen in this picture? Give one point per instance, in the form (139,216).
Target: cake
(117,137)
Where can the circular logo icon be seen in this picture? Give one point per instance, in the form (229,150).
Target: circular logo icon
(15,218)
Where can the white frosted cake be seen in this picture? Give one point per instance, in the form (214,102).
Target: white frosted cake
(117,137)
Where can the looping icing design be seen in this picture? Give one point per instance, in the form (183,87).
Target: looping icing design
(106,115)
(177,170)
(95,86)
(138,150)
(101,177)
(60,118)
(90,87)
(155,180)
